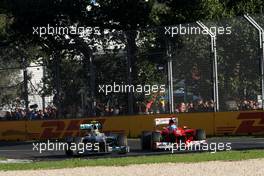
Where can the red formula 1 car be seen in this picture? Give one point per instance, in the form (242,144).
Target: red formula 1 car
(171,134)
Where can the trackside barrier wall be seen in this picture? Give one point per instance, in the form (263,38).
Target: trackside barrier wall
(220,123)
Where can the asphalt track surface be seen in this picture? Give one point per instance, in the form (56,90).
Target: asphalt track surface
(24,150)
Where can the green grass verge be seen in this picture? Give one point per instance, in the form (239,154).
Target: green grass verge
(123,161)
(2,158)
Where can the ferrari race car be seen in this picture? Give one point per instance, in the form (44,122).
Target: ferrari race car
(169,136)
(93,141)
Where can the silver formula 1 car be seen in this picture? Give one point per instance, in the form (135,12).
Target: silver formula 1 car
(93,141)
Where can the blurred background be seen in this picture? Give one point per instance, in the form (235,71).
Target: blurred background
(58,75)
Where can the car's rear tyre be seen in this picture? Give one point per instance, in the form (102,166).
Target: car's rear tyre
(68,151)
(102,147)
(200,135)
(146,140)
(155,137)
(121,140)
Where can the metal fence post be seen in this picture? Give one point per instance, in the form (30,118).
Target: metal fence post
(170,79)
(215,64)
(92,83)
(25,82)
(43,95)
(262,71)
(216,94)
(261,45)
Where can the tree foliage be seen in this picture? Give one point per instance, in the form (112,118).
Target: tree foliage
(137,28)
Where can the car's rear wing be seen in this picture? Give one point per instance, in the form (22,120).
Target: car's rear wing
(86,126)
(164,121)
(91,125)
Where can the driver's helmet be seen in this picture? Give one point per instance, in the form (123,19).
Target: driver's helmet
(171,122)
(172,125)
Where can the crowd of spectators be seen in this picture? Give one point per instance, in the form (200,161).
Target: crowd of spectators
(30,114)
(100,109)
(249,105)
(197,106)
(150,107)
(208,106)
(105,110)
(161,106)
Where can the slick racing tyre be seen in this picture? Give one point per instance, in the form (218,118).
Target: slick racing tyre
(102,147)
(146,140)
(68,151)
(155,137)
(121,140)
(200,135)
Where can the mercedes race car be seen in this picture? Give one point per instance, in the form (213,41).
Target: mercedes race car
(93,141)
(171,135)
